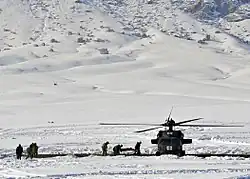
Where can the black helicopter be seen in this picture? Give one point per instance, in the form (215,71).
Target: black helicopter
(170,141)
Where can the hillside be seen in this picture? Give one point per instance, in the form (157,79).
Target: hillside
(68,65)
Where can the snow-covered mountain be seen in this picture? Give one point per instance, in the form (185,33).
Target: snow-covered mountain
(67,65)
(69,23)
(230,15)
(232,10)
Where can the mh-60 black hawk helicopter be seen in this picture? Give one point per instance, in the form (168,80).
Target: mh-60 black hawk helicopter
(171,141)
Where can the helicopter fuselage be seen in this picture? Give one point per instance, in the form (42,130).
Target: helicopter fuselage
(170,142)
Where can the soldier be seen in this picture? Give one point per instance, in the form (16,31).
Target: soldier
(32,150)
(105,149)
(19,151)
(35,149)
(28,152)
(117,149)
(138,148)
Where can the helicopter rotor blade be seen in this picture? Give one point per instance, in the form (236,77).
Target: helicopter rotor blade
(169,115)
(129,124)
(149,129)
(208,125)
(182,122)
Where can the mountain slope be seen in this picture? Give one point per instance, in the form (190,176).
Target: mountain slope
(142,47)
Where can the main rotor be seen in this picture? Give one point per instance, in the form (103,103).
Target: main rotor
(170,123)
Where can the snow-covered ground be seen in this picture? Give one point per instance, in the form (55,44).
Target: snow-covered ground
(81,63)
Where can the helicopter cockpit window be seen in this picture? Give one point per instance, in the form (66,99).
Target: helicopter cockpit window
(172,141)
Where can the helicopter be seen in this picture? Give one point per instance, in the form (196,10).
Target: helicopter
(170,141)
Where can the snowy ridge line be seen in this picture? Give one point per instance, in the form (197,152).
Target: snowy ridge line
(174,94)
(151,172)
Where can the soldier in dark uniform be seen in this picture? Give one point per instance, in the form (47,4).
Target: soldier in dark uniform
(19,151)
(28,152)
(117,149)
(138,148)
(105,149)
(32,150)
(35,150)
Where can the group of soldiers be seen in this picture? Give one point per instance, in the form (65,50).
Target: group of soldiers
(32,151)
(118,148)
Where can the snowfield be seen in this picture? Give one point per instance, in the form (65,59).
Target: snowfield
(66,66)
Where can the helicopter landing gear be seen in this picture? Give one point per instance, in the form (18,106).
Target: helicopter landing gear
(180,153)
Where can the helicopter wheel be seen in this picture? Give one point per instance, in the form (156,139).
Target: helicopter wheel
(181,153)
(157,153)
